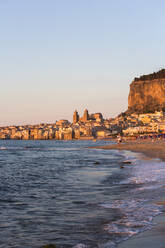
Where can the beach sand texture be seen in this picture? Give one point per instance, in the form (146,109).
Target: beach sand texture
(151,149)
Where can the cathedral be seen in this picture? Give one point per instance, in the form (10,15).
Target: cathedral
(86,117)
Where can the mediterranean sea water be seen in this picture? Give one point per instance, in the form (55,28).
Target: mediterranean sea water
(63,193)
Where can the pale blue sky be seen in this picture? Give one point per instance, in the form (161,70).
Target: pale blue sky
(60,55)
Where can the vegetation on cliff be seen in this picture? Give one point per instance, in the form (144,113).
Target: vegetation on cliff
(155,75)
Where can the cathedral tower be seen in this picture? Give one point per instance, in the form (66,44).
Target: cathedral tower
(85,115)
(75,117)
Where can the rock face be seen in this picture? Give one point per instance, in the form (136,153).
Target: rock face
(146,96)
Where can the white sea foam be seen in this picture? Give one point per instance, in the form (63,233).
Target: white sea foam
(80,246)
(3,148)
(109,244)
(137,212)
(144,171)
(137,217)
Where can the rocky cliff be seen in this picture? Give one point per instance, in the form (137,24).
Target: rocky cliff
(146,96)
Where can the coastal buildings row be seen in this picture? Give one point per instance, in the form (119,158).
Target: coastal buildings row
(89,126)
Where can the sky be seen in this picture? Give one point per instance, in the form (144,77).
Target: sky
(60,55)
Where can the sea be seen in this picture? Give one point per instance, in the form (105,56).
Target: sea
(68,194)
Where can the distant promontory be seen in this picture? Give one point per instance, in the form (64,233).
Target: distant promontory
(147,93)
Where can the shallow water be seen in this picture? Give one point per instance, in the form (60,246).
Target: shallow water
(53,192)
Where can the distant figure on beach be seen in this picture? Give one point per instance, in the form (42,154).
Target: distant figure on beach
(119,139)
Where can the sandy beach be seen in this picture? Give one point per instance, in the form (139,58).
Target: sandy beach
(151,149)
(154,238)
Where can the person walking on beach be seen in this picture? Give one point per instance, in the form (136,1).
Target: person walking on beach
(119,139)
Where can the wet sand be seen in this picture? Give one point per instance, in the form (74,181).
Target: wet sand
(154,238)
(151,149)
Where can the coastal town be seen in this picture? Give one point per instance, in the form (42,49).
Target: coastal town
(145,116)
(82,124)
(90,126)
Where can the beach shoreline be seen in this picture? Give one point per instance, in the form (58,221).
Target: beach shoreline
(155,237)
(150,149)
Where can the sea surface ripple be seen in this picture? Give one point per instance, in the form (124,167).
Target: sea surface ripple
(63,193)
